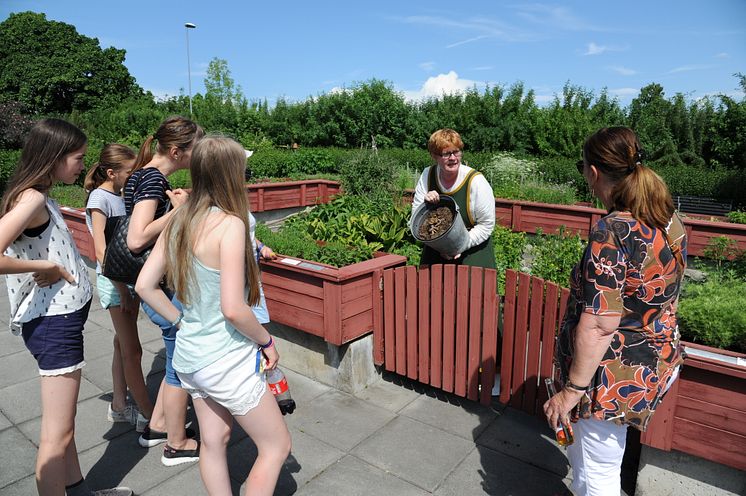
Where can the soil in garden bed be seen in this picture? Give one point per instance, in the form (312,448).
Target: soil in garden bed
(436,222)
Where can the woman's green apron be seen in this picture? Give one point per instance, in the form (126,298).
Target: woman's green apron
(482,255)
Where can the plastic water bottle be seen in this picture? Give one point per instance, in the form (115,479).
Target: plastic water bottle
(564,432)
(278,384)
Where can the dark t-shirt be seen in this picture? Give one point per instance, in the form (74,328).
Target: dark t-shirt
(146,184)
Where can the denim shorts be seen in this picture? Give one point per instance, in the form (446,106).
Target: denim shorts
(169,338)
(56,341)
(108,294)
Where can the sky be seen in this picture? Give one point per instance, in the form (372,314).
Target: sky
(295,50)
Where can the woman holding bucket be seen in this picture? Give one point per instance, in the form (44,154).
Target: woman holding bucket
(470,191)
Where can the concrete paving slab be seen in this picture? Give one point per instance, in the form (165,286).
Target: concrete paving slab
(187,482)
(91,426)
(303,389)
(4,422)
(122,462)
(98,343)
(10,343)
(98,370)
(309,458)
(23,487)
(22,401)
(17,458)
(485,471)
(353,477)
(413,451)
(526,438)
(339,419)
(17,367)
(458,416)
(391,392)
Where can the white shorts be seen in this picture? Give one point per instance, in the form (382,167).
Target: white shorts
(596,457)
(232,381)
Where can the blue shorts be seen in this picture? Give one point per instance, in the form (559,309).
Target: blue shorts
(56,341)
(169,338)
(260,309)
(108,294)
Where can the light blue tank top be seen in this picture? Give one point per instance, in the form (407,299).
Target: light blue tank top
(205,335)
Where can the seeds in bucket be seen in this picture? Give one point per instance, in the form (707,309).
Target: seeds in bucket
(435,223)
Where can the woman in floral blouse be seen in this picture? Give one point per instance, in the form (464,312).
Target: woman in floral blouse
(618,348)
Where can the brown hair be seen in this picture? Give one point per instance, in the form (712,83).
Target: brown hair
(616,152)
(48,142)
(175,131)
(115,157)
(442,139)
(217,171)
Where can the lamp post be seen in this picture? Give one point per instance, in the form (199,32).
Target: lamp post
(188,26)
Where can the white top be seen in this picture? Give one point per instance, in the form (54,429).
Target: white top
(481,202)
(110,204)
(27,300)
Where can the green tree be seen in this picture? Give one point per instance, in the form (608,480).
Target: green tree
(50,67)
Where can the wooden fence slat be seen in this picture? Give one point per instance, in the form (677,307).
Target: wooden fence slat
(400,320)
(377,317)
(389,321)
(519,345)
(546,364)
(449,321)
(564,296)
(491,306)
(462,329)
(411,306)
(506,358)
(436,325)
(476,280)
(533,342)
(423,328)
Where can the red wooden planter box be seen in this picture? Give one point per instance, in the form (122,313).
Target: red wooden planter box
(275,196)
(704,412)
(75,220)
(335,304)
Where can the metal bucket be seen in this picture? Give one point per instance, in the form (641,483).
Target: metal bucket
(454,240)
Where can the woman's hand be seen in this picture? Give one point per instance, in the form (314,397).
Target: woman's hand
(178,197)
(558,407)
(272,357)
(432,197)
(50,275)
(267,253)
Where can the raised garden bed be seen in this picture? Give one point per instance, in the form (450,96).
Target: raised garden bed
(335,304)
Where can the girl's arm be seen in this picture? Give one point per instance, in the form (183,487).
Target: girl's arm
(30,207)
(98,222)
(232,285)
(148,284)
(144,227)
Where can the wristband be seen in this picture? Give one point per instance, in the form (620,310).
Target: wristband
(178,319)
(265,346)
(575,387)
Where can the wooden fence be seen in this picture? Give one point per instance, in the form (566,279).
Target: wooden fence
(439,327)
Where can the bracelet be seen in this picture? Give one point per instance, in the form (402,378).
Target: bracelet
(178,319)
(265,346)
(575,387)
(259,246)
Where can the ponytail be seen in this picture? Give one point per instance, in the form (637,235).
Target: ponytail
(113,156)
(94,178)
(145,155)
(175,131)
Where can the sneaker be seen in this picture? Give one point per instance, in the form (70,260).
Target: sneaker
(141,423)
(150,437)
(114,491)
(129,414)
(172,457)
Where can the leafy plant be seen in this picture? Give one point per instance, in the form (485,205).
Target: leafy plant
(508,247)
(737,216)
(368,172)
(723,251)
(556,255)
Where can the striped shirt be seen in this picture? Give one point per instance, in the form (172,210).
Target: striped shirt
(147,184)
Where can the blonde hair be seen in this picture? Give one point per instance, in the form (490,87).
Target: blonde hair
(113,156)
(48,142)
(616,152)
(217,170)
(442,139)
(175,131)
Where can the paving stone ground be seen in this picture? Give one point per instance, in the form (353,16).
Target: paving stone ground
(394,438)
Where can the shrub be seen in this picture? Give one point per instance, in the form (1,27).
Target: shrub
(737,217)
(556,255)
(8,161)
(711,313)
(368,172)
(509,247)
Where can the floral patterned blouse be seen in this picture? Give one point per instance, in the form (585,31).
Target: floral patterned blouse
(634,271)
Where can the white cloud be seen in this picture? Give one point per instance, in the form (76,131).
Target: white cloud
(427,66)
(688,68)
(469,40)
(442,84)
(722,55)
(483,68)
(482,27)
(624,92)
(164,94)
(624,71)
(594,49)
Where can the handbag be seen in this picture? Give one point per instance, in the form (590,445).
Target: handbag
(120,263)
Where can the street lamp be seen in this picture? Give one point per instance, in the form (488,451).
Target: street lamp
(188,26)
